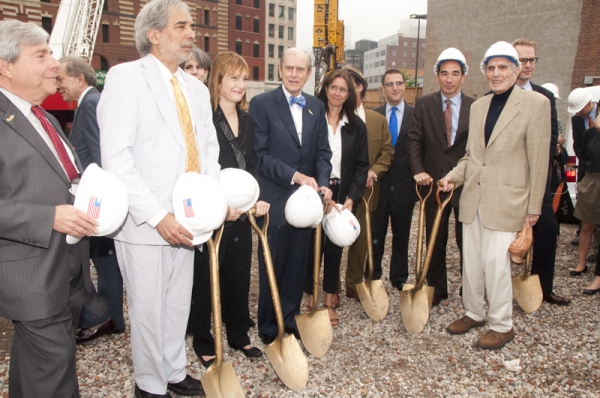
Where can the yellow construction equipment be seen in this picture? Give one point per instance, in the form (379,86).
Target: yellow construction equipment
(328,40)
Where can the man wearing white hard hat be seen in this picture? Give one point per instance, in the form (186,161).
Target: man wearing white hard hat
(503,174)
(584,112)
(155,125)
(545,232)
(437,138)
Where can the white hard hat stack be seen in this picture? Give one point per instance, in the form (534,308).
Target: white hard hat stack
(452,54)
(341,227)
(304,208)
(199,205)
(500,49)
(240,187)
(552,88)
(103,196)
(578,99)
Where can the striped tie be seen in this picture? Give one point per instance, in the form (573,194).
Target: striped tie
(192,162)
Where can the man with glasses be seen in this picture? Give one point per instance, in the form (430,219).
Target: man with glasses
(396,192)
(545,232)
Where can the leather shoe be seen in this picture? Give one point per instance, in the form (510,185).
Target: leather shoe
(493,340)
(578,273)
(267,338)
(139,393)
(252,352)
(554,299)
(87,335)
(206,363)
(463,325)
(575,241)
(293,331)
(437,299)
(352,294)
(592,258)
(187,387)
(590,292)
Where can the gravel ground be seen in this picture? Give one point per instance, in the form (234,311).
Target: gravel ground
(557,349)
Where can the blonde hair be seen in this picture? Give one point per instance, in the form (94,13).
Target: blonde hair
(225,63)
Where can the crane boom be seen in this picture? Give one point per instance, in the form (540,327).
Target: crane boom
(328,40)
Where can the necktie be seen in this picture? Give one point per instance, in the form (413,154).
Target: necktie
(63,156)
(448,119)
(192,163)
(300,100)
(394,125)
(591,123)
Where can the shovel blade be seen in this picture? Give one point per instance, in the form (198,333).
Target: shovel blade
(414,308)
(528,292)
(374,299)
(289,362)
(430,291)
(316,332)
(221,382)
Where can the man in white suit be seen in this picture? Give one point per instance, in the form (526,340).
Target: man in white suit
(155,124)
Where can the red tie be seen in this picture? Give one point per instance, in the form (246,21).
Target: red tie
(448,119)
(57,142)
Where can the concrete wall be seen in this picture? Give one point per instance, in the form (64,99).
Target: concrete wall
(472,26)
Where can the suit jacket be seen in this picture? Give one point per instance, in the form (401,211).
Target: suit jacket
(35,260)
(506,180)
(278,153)
(427,149)
(398,183)
(85,134)
(578,127)
(141,141)
(355,162)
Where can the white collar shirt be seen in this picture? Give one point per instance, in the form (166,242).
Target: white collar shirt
(360,112)
(335,143)
(296,111)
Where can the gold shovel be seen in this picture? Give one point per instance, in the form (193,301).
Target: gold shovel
(314,326)
(415,302)
(373,296)
(220,380)
(284,353)
(527,288)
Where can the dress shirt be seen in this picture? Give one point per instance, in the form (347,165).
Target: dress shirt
(296,114)
(455,103)
(526,86)
(399,114)
(360,112)
(592,114)
(335,143)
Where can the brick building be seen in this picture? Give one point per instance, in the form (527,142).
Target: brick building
(280,26)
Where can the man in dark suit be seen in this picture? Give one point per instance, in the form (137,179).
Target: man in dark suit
(291,148)
(102,311)
(545,232)
(397,195)
(437,138)
(42,278)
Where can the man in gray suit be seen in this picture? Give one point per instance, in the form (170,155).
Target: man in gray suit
(41,277)
(156,123)
(102,311)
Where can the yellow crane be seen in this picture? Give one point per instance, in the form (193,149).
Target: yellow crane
(328,40)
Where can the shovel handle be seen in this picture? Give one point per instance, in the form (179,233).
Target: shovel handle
(369,235)
(316,267)
(421,229)
(215,289)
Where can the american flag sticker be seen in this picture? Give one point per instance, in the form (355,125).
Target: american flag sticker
(187,208)
(94,207)
(352,224)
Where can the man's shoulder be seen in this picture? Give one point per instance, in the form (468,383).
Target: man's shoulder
(467,99)
(380,109)
(373,116)
(91,97)
(544,91)
(268,95)
(408,108)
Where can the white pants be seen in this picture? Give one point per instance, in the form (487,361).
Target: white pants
(158,280)
(487,268)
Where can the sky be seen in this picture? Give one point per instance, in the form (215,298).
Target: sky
(363,19)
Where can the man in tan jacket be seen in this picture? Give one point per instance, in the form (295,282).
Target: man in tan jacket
(503,175)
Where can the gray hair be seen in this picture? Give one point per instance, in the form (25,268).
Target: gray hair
(154,16)
(14,35)
(295,50)
(200,57)
(75,66)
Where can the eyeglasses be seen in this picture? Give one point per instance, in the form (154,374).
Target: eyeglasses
(392,84)
(530,60)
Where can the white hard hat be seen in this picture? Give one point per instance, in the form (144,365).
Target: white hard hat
(103,196)
(578,99)
(304,208)
(199,205)
(240,188)
(451,54)
(552,88)
(500,49)
(341,228)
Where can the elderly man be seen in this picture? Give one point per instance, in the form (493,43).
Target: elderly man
(42,278)
(156,124)
(503,175)
(291,148)
(437,138)
(102,311)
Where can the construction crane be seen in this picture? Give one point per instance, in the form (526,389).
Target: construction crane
(74,32)
(328,40)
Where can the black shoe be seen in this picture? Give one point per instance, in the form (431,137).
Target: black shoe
(87,335)
(399,286)
(590,292)
(293,331)
(579,273)
(460,291)
(575,241)
(188,387)
(554,299)
(206,363)
(267,338)
(252,352)
(437,299)
(592,258)
(139,393)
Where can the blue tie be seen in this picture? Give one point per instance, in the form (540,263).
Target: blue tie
(300,100)
(394,125)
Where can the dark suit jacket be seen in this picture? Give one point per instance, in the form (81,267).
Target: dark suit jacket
(35,260)
(85,134)
(355,162)
(245,140)
(398,183)
(578,127)
(427,143)
(554,123)
(278,154)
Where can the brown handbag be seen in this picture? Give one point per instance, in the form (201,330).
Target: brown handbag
(521,245)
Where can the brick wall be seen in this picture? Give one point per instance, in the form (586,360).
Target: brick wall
(587,57)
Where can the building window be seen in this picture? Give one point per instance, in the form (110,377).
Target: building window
(405,44)
(206,17)
(270,73)
(256,3)
(423,45)
(238,1)
(377,54)
(394,53)
(414,54)
(414,44)
(404,64)
(393,63)
(271,30)
(271,50)
(256,25)
(405,53)
(238,22)
(290,33)
(256,50)
(413,65)
(280,31)
(376,64)
(103,63)
(290,13)
(255,73)
(279,51)
(206,44)
(271,10)
(47,24)
(104,33)
(382,53)
(281,12)
(238,47)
